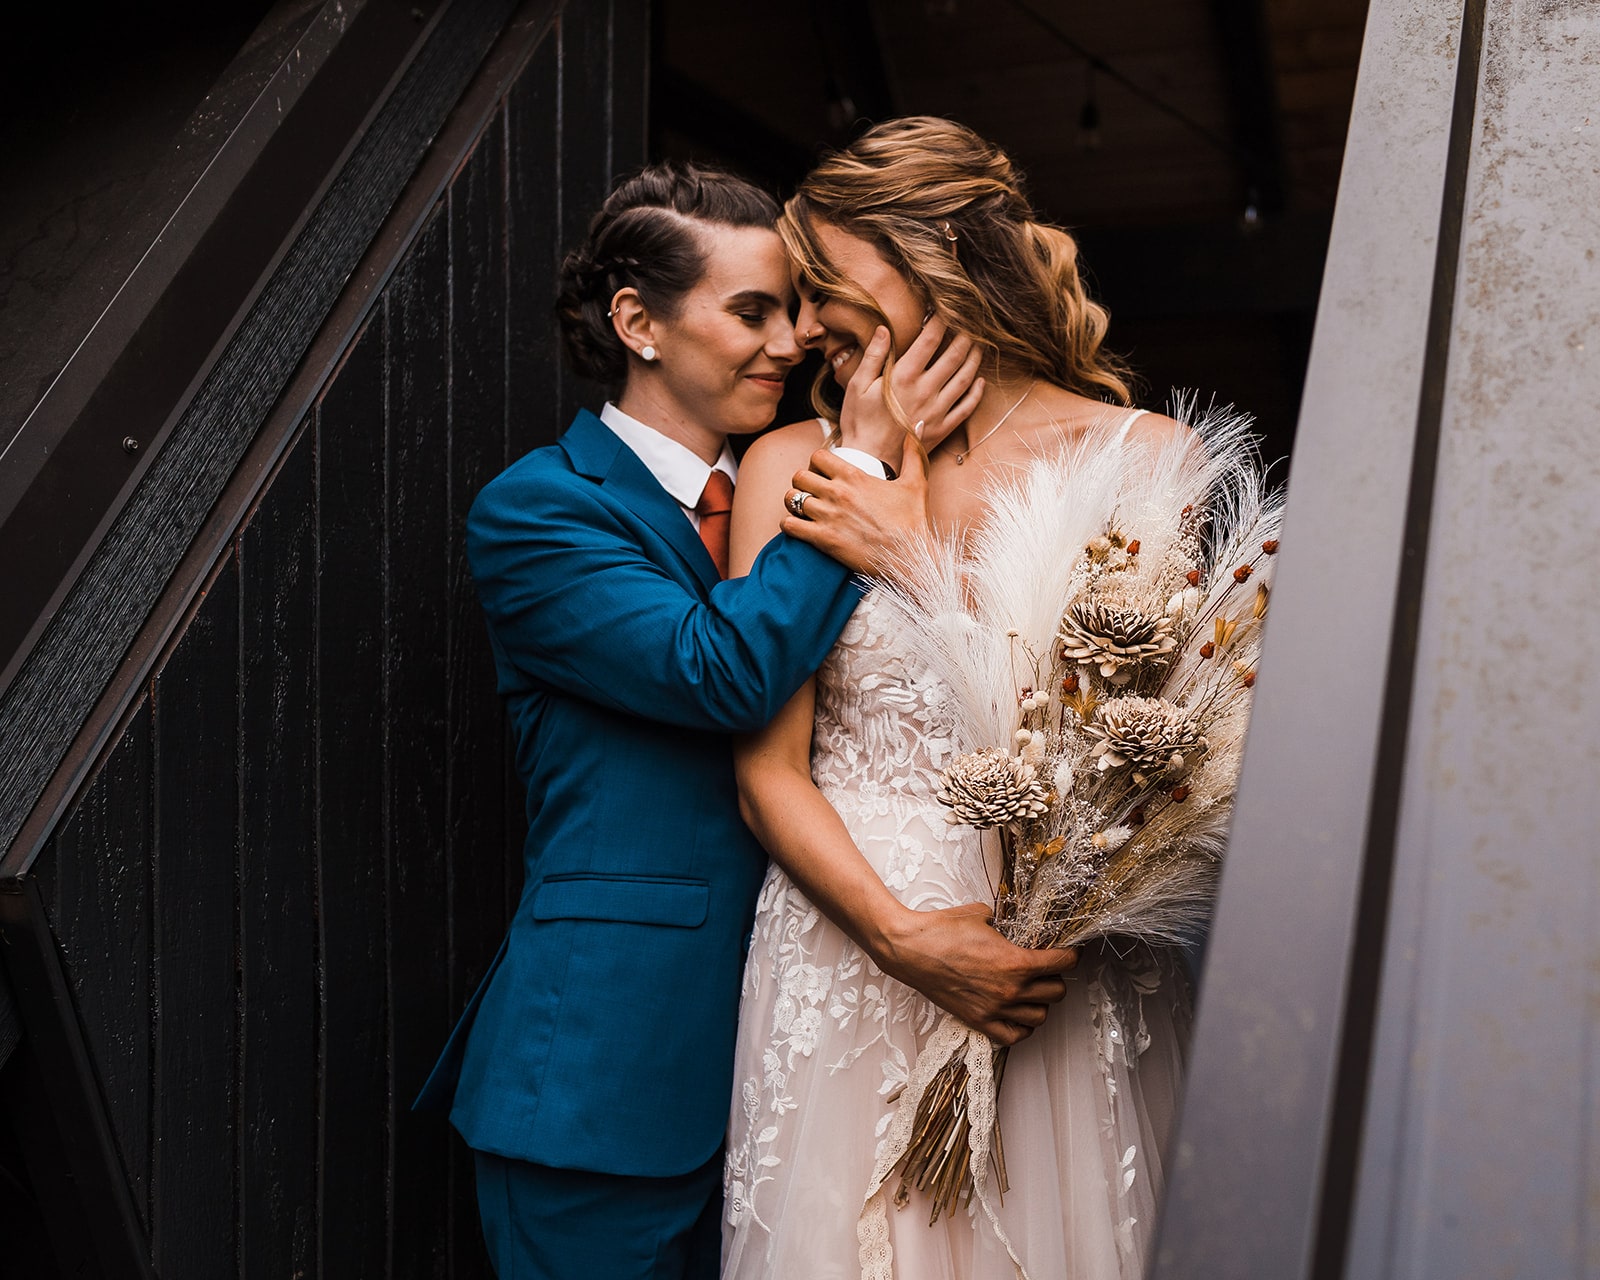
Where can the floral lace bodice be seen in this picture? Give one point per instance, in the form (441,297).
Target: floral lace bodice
(881,739)
(881,721)
(827,1041)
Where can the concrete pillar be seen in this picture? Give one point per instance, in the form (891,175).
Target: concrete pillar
(1394,1072)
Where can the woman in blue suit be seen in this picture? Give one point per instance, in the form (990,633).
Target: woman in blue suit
(591,1072)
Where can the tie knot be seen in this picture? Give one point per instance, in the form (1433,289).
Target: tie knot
(717,497)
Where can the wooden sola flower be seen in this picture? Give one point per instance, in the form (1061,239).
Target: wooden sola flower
(1148,735)
(1113,638)
(1108,783)
(990,788)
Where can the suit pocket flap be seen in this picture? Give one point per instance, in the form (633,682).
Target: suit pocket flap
(625,899)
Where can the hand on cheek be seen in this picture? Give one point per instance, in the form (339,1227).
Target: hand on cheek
(936,382)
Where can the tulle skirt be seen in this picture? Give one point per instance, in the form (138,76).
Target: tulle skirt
(826,1041)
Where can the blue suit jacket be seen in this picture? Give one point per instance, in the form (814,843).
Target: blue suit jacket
(602,1038)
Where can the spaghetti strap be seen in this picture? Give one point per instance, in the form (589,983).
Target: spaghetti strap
(1128,422)
(827,427)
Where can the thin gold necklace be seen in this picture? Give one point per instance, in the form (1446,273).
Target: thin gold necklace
(961,458)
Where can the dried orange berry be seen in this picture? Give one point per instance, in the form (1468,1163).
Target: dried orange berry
(1180,793)
(1069,684)
(1192,577)
(1133,547)
(1241,573)
(1136,818)
(1249,679)
(1270,546)
(1207,649)
(1187,511)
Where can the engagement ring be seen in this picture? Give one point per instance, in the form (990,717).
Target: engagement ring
(796,502)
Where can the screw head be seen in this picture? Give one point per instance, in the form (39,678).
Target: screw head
(129,445)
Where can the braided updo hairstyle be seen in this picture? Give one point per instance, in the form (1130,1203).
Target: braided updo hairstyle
(947,209)
(644,237)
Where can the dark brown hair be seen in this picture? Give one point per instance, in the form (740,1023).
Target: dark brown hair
(644,236)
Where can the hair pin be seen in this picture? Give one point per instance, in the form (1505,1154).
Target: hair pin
(949,232)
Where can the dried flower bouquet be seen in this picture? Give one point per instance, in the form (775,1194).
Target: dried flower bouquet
(1099,636)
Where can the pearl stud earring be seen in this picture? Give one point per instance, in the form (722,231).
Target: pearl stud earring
(647,353)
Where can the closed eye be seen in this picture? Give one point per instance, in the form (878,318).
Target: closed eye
(753,306)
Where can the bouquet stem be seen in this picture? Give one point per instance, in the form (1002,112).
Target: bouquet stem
(938,1161)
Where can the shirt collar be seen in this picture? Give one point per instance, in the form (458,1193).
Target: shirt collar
(677,468)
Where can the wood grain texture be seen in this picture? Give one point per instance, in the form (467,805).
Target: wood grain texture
(96,892)
(353,1187)
(533,247)
(77,655)
(476,833)
(417,560)
(330,835)
(476,792)
(278,940)
(587,84)
(630,101)
(197,936)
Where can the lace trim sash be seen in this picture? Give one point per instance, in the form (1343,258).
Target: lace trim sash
(949,1038)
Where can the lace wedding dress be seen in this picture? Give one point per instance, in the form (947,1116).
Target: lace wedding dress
(826,1040)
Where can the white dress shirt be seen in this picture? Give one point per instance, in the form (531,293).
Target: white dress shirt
(677,468)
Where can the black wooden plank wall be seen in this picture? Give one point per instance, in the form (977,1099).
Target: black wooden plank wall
(293,863)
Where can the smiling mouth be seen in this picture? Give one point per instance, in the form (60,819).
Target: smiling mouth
(841,357)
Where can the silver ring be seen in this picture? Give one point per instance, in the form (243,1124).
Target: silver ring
(796,502)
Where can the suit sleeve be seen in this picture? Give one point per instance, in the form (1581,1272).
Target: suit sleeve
(575,604)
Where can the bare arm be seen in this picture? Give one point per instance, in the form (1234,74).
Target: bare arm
(1157,431)
(952,956)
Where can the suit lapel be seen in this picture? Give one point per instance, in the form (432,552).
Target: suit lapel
(596,452)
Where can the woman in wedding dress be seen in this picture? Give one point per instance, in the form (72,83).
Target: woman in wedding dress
(922,217)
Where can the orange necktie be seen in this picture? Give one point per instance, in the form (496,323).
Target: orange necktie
(713,508)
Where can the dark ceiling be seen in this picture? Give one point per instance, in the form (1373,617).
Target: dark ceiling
(1194,145)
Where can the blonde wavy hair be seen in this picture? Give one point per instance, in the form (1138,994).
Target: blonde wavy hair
(948,210)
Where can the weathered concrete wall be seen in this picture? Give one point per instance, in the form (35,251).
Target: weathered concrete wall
(1481,1155)
(1394,1072)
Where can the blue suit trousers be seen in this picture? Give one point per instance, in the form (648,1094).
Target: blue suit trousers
(567,1224)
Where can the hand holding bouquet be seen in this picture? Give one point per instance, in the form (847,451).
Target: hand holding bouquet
(1099,636)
